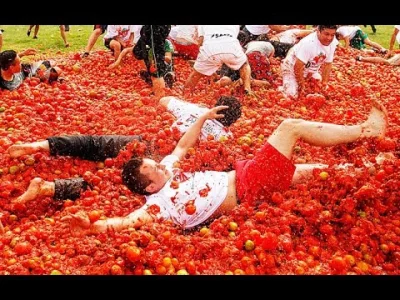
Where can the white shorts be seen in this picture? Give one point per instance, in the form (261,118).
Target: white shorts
(188,113)
(213,54)
(290,86)
(395,60)
(182,109)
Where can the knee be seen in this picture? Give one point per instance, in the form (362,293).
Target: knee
(291,125)
(36,180)
(164,101)
(225,81)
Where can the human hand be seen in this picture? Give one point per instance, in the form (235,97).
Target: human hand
(79,223)
(250,93)
(29,51)
(389,54)
(113,65)
(212,113)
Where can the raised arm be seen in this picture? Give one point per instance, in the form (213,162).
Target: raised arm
(192,134)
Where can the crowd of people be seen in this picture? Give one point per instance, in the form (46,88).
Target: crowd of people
(231,53)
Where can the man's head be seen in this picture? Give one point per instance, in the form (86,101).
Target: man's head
(10,61)
(232,113)
(326,34)
(50,75)
(144,176)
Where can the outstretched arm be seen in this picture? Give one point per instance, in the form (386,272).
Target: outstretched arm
(192,134)
(122,54)
(29,51)
(80,223)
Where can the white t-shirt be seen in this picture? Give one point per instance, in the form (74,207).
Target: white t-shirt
(187,113)
(208,190)
(217,33)
(398,34)
(136,31)
(348,31)
(122,31)
(185,34)
(288,36)
(265,48)
(311,52)
(258,29)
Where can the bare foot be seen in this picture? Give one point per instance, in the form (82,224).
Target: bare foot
(79,223)
(377,122)
(22,149)
(37,187)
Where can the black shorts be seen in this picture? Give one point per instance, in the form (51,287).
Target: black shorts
(247,36)
(281,49)
(69,188)
(90,147)
(153,36)
(103,28)
(234,75)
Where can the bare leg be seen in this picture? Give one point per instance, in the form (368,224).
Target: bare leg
(325,134)
(374,60)
(374,44)
(304,172)
(28,33)
(37,187)
(92,39)
(63,36)
(245,73)
(29,148)
(193,79)
(158,86)
(36,31)
(116,47)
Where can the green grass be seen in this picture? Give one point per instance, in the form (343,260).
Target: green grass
(49,39)
(382,35)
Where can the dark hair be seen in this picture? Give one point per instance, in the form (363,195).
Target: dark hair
(243,37)
(232,113)
(133,179)
(7,58)
(322,27)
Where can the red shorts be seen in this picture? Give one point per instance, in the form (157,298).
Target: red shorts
(190,51)
(269,171)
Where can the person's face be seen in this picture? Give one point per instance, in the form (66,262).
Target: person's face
(326,36)
(15,67)
(156,173)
